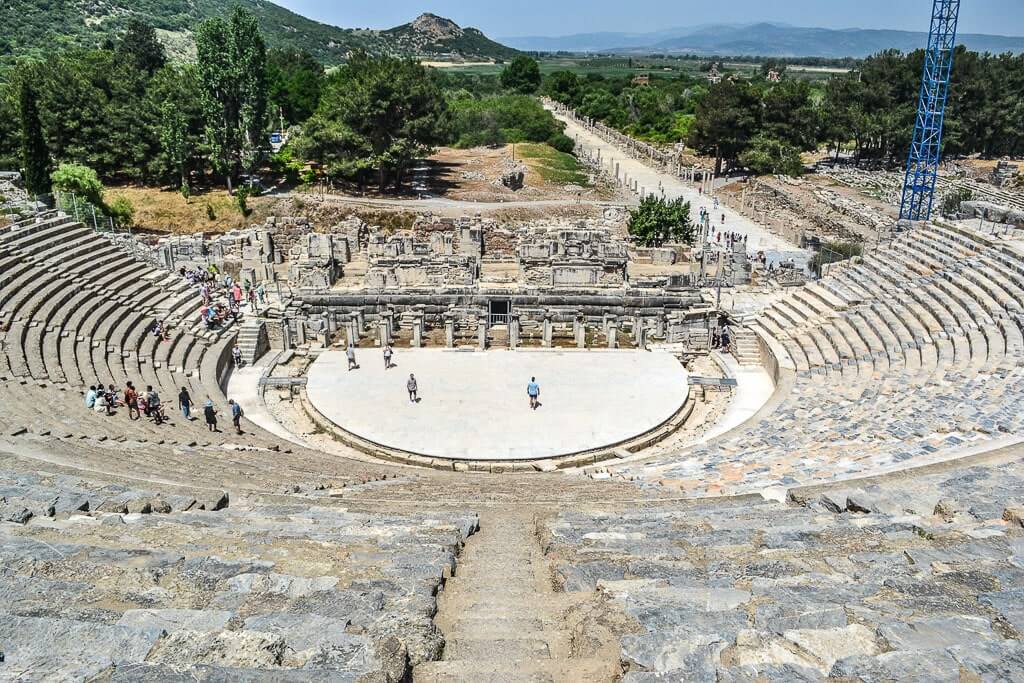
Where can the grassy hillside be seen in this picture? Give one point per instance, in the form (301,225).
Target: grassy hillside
(39,26)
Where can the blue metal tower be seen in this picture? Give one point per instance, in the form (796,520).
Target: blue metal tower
(925,150)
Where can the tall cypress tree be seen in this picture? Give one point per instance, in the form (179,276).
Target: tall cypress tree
(35,155)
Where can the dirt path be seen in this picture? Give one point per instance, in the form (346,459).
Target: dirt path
(503,619)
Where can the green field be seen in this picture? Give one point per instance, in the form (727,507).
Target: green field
(619,67)
(557,168)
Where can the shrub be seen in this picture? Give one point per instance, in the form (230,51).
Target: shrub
(562,142)
(954,199)
(658,220)
(122,211)
(79,180)
(242,199)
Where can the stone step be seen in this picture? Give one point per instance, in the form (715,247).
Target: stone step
(476,648)
(526,670)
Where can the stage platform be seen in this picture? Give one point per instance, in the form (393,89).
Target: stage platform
(473,405)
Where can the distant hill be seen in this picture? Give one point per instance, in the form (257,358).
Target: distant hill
(764,39)
(430,34)
(39,26)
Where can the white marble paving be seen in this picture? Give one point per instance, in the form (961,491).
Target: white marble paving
(473,405)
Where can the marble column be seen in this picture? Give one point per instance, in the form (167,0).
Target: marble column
(513,331)
(417,329)
(579,330)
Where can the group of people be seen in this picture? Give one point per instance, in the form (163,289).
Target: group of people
(211,285)
(721,338)
(106,398)
(411,385)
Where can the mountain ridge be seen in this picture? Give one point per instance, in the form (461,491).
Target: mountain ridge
(756,39)
(36,27)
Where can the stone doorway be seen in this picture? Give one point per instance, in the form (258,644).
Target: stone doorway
(498,313)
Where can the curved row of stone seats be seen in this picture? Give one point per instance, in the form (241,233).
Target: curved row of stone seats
(123,584)
(89,326)
(918,579)
(910,354)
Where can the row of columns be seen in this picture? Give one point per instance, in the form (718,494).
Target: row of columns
(353,326)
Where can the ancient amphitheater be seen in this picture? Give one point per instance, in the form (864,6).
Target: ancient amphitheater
(848,508)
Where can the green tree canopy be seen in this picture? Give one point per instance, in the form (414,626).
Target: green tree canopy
(726,121)
(375,113)
(294,82)
(35,154)
(768,156)
(522,75)
(79,180)
(140,45)
(232,74)
(657,221)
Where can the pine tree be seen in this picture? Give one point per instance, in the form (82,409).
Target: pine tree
(35,155)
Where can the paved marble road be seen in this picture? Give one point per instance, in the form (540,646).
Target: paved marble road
(758,237)
(473,405)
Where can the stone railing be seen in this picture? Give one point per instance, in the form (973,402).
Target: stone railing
(668,161)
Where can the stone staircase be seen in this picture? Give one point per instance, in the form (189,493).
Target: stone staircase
(745,348)
(500,614)
(252,340)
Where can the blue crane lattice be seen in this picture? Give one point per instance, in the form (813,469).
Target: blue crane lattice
(926,149)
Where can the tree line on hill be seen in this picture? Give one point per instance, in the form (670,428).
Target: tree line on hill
(131,115)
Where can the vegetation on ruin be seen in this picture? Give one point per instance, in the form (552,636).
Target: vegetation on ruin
(658,221)
(834,252)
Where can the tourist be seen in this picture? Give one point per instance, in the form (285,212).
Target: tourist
(154,406)
(236,415)
(261,293)
(236,293)
(716,339)
(185,403)
(131,401)
(100,405)
(111,397)
(533,391)
(210,413)
(350,353)
(723,219)
(90,397)
(236,355)
(388,352)
(412,387)
(204,292)
(726,333)
(142,405)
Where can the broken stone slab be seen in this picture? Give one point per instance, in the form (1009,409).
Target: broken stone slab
(171,620)
(1014,514)
(936,633)
(244,649)
(826,646)
(934,666)
(85,648)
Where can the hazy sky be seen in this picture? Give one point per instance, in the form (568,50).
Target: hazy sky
(561,17)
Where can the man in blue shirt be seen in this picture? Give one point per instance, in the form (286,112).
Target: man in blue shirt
(236,415)
(533,391)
